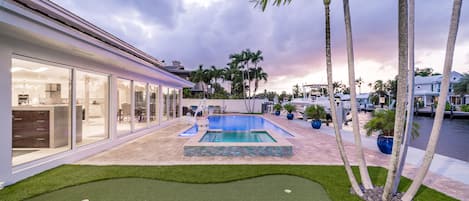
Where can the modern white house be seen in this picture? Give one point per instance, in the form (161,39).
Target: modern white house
(70,89)
(427,89)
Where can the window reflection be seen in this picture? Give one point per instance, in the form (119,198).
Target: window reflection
(92,97)
(124,100)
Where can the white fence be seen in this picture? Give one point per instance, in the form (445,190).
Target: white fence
(226,105)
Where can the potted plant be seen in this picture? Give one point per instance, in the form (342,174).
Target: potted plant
(383,123)
(277,108)
(315,112)
(289,108)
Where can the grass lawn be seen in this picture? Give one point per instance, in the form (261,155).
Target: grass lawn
(332,178)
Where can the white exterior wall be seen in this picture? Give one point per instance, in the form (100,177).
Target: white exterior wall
(424,88)
(5,115)
(230,105)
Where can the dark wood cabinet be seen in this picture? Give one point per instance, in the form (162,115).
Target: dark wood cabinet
(31,129)
(45,127)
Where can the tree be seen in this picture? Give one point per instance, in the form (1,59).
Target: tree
(337,86)
(238,62)
(240,72)
(379,87)
(365,176)
(462,87)
(424,72)
(409,127)
(359,82)
(430,151)
(340,144)
(391,88)
(401,98)
(296,91)
(258,75)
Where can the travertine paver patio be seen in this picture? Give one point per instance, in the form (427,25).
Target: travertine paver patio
(311,147)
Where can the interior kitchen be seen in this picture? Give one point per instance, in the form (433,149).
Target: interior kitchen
(41,109)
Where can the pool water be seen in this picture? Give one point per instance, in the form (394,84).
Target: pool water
(243,123)
(238,123)
(233,136)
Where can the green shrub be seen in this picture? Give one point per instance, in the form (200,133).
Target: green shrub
(465,108)
(447,106)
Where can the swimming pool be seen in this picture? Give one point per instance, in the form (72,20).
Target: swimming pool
(232,136)
(238,123)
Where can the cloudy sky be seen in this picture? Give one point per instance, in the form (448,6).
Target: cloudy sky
(291,37)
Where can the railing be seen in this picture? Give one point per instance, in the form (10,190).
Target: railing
(200,108)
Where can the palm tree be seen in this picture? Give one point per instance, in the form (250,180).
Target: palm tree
(359,81)
(430,151)
(365,176)
(462,87)
(378,86)
(239,62)
(337,87)
(258,74)
(338,136)
(255,58)
(410,99)
(340,144)
(401,98)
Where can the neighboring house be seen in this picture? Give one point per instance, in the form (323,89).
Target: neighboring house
(70,89)
(427,89)
(178,69)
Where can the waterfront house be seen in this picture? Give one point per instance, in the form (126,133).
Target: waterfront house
(71,89)
(427,89)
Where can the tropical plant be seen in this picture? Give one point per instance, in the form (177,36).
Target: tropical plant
(462,87)
(242,75)
(359,83)
(379,87)
(424,72)
(382,122)
(431,147)
(296,91)
(289,108)
(315,112)
(277,107)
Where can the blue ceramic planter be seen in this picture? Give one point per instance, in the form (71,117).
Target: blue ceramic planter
(277,113)
(290,116)
(385,144)
(316,124)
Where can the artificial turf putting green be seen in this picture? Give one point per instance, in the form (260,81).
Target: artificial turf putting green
(272,188)
(332,178)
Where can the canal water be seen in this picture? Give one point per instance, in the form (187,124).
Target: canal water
(453,141)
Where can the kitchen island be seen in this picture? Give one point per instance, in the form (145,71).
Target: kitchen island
(44,126)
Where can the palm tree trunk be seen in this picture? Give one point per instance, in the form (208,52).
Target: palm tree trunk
(338,137)
(410,98)
(365,176)
(401,98)
(255,87)
(244,94)
(430,152)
